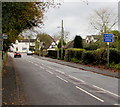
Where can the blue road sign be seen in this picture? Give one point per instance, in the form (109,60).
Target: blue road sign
(108,37)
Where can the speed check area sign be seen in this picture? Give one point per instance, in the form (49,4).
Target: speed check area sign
(108,38)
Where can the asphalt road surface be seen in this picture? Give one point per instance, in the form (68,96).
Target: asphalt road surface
(49,83)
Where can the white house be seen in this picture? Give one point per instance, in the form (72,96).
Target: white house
(23,45)
(53,45)
(92,38)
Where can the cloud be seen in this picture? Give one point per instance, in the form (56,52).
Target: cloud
(75,16)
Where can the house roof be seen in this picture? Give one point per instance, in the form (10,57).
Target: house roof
(27,40)
(97,36)
(94,36)
(88,37)
(69,45)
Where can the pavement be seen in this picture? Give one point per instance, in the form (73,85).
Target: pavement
(11,92)
(82,67)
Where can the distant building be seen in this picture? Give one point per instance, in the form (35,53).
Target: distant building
(23,45)
(53,45)
(92,38)
(69,44)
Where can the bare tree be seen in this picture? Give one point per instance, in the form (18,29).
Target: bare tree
(103,20)
(58,36)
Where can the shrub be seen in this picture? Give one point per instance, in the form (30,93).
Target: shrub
(52,53)
(88,57)
(73,53)
(100,56)
(75,60)
(114,56)
(117,66)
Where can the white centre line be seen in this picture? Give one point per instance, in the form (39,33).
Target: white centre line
(76,78)
(50,67)
(36,64)
(41,67)
(89,94)
(60,71)
(62,79)
(49,71)
(106,91)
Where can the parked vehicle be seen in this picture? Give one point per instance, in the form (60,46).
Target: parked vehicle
(17,54)
(29,53)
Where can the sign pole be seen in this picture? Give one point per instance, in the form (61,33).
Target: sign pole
(108,53)
(108,38)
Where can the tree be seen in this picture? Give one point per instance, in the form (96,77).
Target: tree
(116,43)
(60,44)
(17,16)
(57,36)
(103,20)
(78,42)
(45,38)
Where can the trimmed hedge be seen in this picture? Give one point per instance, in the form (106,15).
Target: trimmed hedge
(100,56)
(95,57)
(114,56)
(88,57)
(72,53)
(53,53)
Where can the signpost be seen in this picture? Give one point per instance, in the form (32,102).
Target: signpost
(108,38)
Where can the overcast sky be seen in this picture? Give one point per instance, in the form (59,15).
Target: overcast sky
(75,15)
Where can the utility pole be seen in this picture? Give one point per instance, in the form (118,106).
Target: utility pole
(62,39)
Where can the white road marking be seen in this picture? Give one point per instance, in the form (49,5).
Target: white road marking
(50,67)
(60,71)
(36,64)
(106,91)
(117,104)
(49,71)
(76,78)
(97,91)
(89,94)
(41,67)
(62,79)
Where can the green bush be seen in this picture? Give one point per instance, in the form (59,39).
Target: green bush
(117,66)
(100,56)
(75,60)
(88,57)
(114,56)
(73,53)
(52,53)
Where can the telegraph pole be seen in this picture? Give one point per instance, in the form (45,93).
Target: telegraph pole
(62,39)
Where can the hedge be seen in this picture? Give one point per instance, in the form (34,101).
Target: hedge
(53,53)
(73,53)
(98,56)
(88,57)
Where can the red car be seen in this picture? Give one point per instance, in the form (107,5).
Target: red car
(17,54)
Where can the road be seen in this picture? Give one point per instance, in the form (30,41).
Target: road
(49,83)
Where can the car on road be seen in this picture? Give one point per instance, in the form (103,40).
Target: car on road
(17,54)
(29,53)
